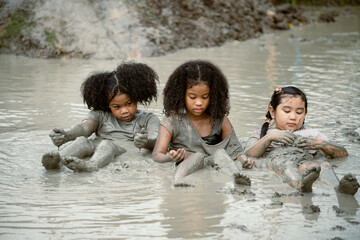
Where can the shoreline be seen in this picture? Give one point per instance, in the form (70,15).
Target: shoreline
(114,30)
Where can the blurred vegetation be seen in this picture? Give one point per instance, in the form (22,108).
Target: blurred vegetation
(51,37)
(15,28)
(318,2)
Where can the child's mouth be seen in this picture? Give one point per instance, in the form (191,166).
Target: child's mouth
(126,117)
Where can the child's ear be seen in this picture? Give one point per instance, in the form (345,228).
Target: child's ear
(271,111)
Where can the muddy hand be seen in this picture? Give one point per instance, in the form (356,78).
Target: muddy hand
(247,162)
(58,136)
(141,139)
(309,143)
(282,136)
(177,156)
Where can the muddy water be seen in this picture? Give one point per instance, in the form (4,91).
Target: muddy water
(133,198)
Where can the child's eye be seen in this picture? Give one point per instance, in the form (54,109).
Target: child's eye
(300,112)
(286,111)
(205,97)
(191,97)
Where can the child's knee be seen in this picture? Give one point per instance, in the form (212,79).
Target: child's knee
(109,145)
(197,155)
(106,144)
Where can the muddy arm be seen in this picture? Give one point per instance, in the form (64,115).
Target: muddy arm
(60,136)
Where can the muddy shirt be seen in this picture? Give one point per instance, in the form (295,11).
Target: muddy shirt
(184,135)
(215,136)
(109,127)
(305,132)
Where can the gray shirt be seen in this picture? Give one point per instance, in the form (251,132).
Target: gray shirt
(109,127)
(184,135)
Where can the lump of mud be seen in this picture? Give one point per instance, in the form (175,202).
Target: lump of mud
(310,209)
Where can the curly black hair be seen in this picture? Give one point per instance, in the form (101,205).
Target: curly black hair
(190,74)
(138,80)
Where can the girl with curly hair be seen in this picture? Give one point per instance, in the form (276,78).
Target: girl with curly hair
(288,108)
(112,98)
(196,130)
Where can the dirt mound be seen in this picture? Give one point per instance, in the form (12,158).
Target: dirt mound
(112,29)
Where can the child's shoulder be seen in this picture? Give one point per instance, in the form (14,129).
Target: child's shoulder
(144,117)
(173,119)
(99,114)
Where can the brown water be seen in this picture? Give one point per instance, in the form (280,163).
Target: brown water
(139,202)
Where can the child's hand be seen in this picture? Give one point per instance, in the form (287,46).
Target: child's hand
(58,136)
(282,136)
(246,162)
(310,143)
(141,139)
(177,156)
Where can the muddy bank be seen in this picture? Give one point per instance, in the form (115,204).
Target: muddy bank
(112,29)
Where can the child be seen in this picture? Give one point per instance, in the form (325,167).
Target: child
(112,98)
(196,103)
(288,108)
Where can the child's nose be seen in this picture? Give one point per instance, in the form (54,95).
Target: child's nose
(124,110)
(292,115)
(198,102)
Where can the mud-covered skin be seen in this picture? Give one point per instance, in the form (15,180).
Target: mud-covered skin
(61,136)
(300,169)
(223,163)
(73,155)
(308,178)
(348,185)
(230,167)
(51,160)
(190,165)
(241,179)
(332,150)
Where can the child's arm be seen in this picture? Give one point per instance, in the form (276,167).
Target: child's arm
(330,149)
(226,128)
(259,148)
(60,136)
(160,150)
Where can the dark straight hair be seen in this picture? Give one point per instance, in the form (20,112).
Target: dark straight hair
(276,98)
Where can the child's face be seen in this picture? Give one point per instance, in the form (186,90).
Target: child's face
(123,108)
(197,99)
(290,113)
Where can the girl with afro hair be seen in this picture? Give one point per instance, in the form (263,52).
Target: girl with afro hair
(196,131)
(112,98)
